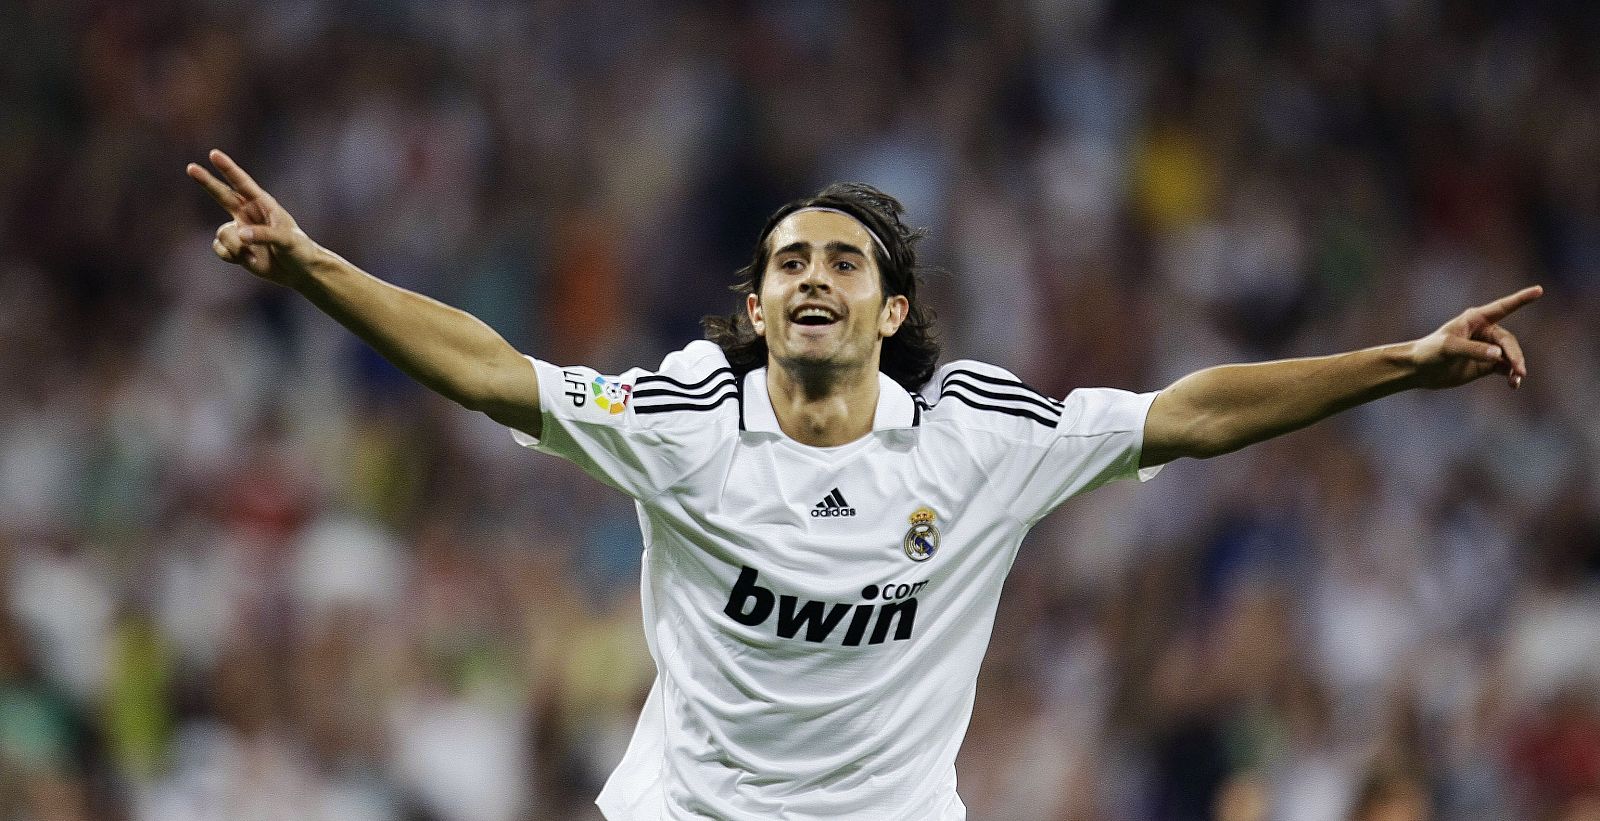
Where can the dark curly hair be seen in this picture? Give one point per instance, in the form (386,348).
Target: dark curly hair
(910,355)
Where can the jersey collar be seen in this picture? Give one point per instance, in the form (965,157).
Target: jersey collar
(896,409)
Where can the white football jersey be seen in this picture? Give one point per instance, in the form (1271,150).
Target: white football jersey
(818,615)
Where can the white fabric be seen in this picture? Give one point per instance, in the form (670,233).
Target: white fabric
(788,686)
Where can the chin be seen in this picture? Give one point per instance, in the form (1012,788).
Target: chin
(817,361)
(805,359)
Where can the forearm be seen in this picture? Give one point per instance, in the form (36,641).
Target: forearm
(1222,409)
(447,350)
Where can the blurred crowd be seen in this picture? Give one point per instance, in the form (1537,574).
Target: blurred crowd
(249,571)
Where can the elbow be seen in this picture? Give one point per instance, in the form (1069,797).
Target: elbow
(481,395)
(474,401)
(1211,449)
(1179,427)
(507,392)
(472,394)
(1204,436)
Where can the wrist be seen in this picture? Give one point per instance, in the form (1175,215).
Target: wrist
(1403,361)
(310,270)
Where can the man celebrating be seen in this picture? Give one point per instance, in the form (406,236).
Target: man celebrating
(828,515)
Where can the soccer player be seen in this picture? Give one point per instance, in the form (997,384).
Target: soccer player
(828,514)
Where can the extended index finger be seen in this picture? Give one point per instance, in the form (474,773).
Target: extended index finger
(219,190)
(236,176)
(1502,307)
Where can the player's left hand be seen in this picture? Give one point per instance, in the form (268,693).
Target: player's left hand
(1474,345)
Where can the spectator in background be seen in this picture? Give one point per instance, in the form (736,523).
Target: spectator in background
(1178,185)
(1392,794)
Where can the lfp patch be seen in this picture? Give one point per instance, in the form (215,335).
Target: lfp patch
(610,396)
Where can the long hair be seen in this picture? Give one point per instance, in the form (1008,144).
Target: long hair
(909,356)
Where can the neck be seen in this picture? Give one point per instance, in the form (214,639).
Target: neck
(823,408)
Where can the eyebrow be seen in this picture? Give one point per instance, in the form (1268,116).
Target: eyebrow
(835,248)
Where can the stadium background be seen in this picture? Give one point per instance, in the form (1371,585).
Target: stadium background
(250,572)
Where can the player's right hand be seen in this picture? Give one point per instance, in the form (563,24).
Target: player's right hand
(261,238)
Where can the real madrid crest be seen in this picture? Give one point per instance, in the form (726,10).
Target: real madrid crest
(923,538)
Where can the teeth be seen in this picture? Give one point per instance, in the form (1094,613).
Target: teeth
(807,313)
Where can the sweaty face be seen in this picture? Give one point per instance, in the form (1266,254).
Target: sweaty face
(821,301)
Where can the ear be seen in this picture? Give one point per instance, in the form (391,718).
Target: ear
(894,312)
(752,306)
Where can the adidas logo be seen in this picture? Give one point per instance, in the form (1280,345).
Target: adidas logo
(832,505)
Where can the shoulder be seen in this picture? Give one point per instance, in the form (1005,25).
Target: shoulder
(976,394)
(692,381)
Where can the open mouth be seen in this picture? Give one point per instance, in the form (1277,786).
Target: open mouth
(813,315)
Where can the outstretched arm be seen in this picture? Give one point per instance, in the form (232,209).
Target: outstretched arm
(1219,410)
(448,350)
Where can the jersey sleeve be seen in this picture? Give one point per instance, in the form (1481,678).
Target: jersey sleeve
(1038,451)
(592,420)
(1097,440)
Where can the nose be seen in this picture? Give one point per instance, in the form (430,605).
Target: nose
(816,279)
